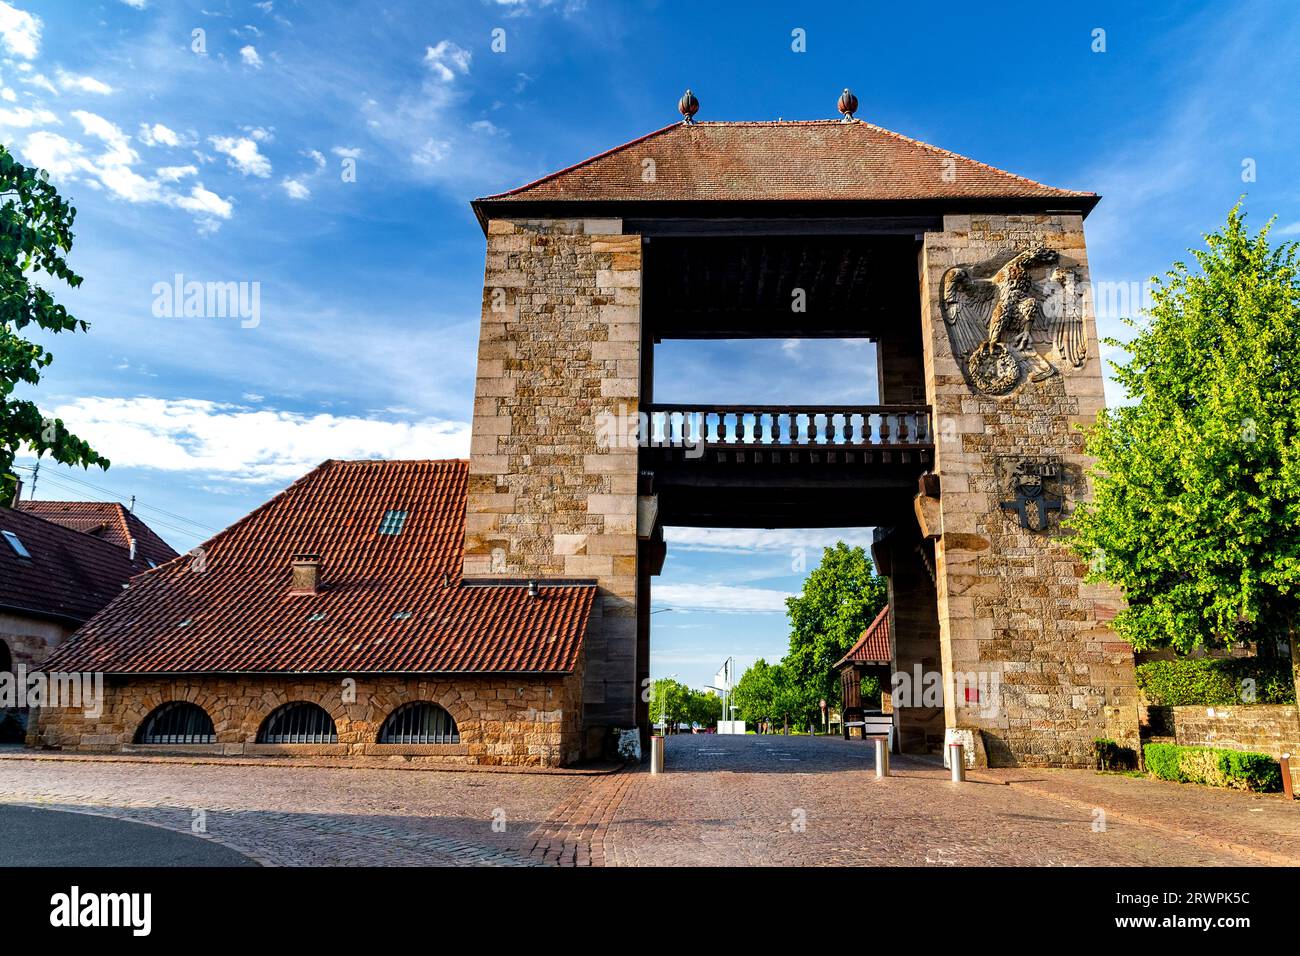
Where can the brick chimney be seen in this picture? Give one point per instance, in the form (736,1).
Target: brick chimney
(306,574)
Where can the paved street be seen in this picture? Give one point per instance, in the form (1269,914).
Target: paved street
(725,801)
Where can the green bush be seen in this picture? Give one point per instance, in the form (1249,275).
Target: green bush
(1214,767)
(1213,682)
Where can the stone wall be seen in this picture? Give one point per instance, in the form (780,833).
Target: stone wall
(549,495)
(509,721)
(30,640)
(1272,729)
(1012,602)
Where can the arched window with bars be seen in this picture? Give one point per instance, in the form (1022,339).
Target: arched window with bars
(177,722)
(300,722)
(419,723)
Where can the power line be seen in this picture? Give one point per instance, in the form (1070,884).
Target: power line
(153,522)
(58,481)
(119,498)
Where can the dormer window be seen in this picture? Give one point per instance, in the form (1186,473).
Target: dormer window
(21,550)
(393,522)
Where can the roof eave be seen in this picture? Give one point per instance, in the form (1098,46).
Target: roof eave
(504,207)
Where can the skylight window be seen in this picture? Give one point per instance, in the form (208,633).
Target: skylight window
(19,548)
(393,522)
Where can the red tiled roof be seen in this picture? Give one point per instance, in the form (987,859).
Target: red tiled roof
(69,575)
(873,646)
(794,160)
(382,607)
(108,520)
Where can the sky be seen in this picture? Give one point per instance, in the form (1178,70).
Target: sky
(322,156)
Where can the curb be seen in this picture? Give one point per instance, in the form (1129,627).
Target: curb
(296,763)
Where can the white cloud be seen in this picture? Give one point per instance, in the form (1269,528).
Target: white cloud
(113,170)
(754,540)
(20,117)
(170,174)
(433,151)
(20,32)
(719,597)
(446,60)
(202,200)
(83,84)
(243,444)
(242,153)
(250,57)
(38,80)
(8,95)
(1292,230)
(296,189)
(347,152)
(316,156)
(136,4)
(158,135)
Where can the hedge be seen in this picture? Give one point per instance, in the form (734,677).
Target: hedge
(1214,766)
(1213,682)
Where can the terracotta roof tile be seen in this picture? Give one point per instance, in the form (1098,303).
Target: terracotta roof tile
(68,575)
(795,160)
(108,520)
(382,607)
(873,646)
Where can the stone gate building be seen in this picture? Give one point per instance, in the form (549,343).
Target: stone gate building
(497,610)
(972,282)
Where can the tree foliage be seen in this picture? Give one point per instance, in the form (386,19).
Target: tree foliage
(35,236)
(1196,509)
(840,598)
(682,704)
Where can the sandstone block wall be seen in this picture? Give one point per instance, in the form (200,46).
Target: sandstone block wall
(502,721)
(1012,601)
(1272,729)
(559,347)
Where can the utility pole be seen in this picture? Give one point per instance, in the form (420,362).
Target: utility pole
(36,473)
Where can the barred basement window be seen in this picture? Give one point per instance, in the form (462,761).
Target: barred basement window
(298,723)
(419,723)
(178,722)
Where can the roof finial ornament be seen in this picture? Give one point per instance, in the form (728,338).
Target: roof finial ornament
(688,106)
(848,105)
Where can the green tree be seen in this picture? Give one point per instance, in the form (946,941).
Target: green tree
(671,698)
(754,695)
(840,598)
(1196,507)
(704,708)
(35,235)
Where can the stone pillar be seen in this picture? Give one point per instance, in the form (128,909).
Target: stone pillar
(550,494)
(914,625)
(1013,607)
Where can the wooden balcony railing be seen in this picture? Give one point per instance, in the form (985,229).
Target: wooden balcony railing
(794,426)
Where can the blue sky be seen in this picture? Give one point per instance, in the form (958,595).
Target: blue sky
(226,160)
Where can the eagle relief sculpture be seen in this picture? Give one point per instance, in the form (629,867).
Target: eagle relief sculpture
(999,317)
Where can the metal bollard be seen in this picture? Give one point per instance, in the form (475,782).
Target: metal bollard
(1285,765)
(957,762)
(882,757)
(656,754)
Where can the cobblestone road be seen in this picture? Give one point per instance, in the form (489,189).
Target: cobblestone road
(725,801)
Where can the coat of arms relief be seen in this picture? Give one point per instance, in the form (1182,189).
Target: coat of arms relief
(1007,314)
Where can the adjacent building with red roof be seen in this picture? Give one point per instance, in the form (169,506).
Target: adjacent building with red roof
(54,577)
(108,520)
(335,617)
